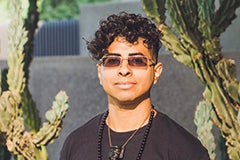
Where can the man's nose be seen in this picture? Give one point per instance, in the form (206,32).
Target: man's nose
(124,68)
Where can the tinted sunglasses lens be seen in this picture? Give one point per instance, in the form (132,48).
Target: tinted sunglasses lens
(138,61)
(111,61)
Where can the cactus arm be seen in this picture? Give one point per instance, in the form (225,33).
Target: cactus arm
(203,121)
(181,24)
(155,9)
(14,126)
(205,14)
(226,69)
(217,95)
(31,114)
(225,112)
(51,129)
(26,144)
(210,44)
(224,16)
(5,112)
(21,146)
(17,37)
(15,74)
(173,44)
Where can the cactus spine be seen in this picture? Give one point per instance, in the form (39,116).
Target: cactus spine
(25,144)
(193,39)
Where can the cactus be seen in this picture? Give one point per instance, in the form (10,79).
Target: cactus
(204,127)
(20,141)
(31,116)
(193,39)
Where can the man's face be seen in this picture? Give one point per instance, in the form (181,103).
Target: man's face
(126,83)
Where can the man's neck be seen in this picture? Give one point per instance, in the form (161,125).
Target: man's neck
(123,119)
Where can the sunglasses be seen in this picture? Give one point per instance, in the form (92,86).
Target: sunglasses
(133,61)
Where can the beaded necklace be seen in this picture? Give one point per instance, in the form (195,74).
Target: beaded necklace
(118,149)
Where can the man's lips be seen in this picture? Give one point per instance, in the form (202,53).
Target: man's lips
(125,85)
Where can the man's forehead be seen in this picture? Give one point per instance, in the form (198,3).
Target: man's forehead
(119,54)
(122,39)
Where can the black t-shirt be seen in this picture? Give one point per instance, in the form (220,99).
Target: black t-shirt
(166,141)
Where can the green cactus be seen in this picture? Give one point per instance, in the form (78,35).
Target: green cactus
(31,114)
(204,125)
(20,141)
(193,39)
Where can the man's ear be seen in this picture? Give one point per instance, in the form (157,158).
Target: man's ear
(99,73)
(158,71)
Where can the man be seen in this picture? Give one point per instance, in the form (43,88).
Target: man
(126,47)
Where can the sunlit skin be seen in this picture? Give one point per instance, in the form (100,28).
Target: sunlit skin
(128,88)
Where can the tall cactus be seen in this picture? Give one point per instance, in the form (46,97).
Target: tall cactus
(20,141)
(193,39)
(31,114)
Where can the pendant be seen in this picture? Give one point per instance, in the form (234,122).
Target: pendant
(115,153)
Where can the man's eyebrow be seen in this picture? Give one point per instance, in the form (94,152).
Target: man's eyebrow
(135,54)
(129,54)
(112,54)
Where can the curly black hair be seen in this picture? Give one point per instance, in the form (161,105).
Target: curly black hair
(129,26)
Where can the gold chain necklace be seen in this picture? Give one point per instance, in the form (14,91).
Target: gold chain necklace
(117,152)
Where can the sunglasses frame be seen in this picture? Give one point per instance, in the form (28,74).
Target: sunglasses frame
(101,61)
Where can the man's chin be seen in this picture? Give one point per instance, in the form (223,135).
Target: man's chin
(127,103)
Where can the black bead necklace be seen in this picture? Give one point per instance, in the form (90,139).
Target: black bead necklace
(145,136)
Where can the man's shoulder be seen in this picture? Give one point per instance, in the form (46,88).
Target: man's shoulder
(89,127)
(174,130)
(178,139)
(81,140)
(170,125)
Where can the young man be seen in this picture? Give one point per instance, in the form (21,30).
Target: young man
(126,47)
